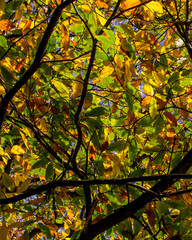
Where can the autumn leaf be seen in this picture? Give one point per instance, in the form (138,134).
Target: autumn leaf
(6,25)
(17,149)
(129,4)
(77,87)
(64,37)
(171,119)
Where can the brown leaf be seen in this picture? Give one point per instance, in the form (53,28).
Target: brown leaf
(150,215)
(171,118)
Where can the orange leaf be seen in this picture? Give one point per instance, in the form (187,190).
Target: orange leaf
(26,27)
(6,25)
(146,101)
(129,4)
(92,153)
(101,4)
(171,118)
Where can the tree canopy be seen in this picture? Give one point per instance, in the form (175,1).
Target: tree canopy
(95,118)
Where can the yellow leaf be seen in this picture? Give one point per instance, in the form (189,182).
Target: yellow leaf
(64,37)
(100,16)
(129,4)
(2,90)
(85,8)
(63,90)
(154,6)
(148,89)
(17,149)
(118,61)
(106,71)
(24,139)
(77,87)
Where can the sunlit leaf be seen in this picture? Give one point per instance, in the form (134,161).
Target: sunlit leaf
(62,89)
(17,149)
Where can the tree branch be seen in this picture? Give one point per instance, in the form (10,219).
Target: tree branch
(75,183)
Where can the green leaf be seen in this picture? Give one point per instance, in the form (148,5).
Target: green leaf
(92,22)
(174,77)
(98,111)
(24,186)
(117,146)
(132,150)
(107,43)
(49,172)
(137,173)
(3,42)
(163,61)
(7,180)
(130,102)
(45,230)
(7,76)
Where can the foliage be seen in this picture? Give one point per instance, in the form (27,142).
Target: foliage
(95,118)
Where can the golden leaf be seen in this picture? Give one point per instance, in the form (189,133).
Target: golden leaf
(100,16)
(129,4)
(17,149)
(64,37)
(154,6)
(77,87)
(101,4)
(148,89)
(6,25)
(2,90)
(106,71)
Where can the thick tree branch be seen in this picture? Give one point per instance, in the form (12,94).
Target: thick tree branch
(75,183)
(37,61)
